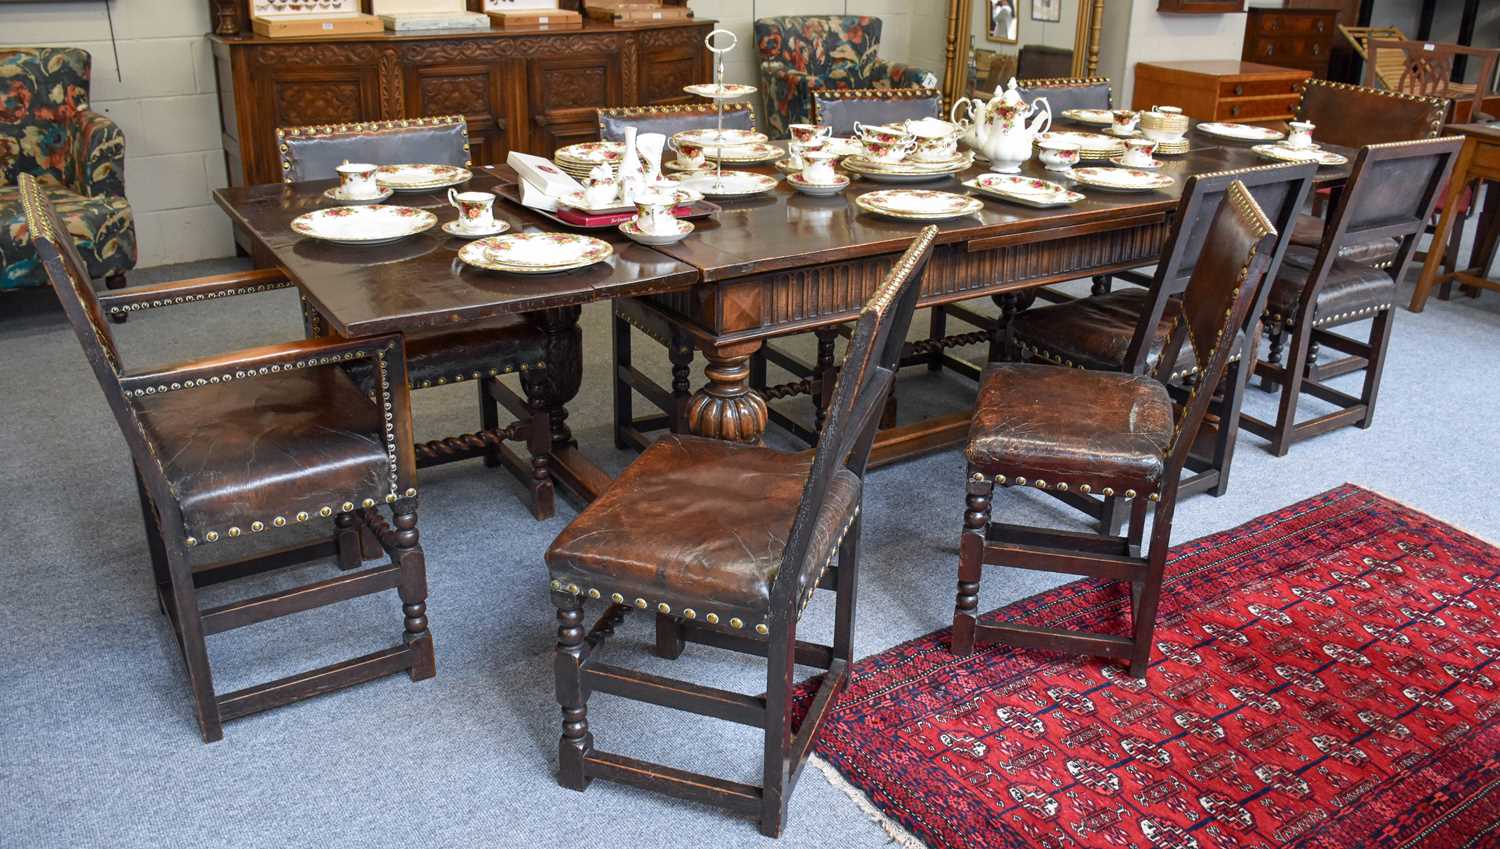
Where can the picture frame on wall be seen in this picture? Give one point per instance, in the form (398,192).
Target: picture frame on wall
(1005,21)
(1048,11)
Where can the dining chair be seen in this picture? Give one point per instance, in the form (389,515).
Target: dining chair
(1055,428)
(1128,330)
(1043,61)
(672,119)
(238,456)
(480,352)
(1390,193)
(1068,93)
(725,544)
(842,108)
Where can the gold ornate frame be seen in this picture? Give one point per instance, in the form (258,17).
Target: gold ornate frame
(960,12)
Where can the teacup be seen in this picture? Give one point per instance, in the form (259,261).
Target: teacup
(819,170)
(476,210)
(1124,121)
(935,150)
(1164,123)
(357,179)
(689,154)
(1058,154)
(888,151)
(806,133)
(653,213)
(1300,134)
(937,140)
(796,149)
(1138,153)
(884,133)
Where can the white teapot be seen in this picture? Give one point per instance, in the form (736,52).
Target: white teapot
(1003,129)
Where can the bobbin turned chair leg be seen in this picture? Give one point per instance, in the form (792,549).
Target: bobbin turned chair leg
(980,492)
(407,554)
(576,743)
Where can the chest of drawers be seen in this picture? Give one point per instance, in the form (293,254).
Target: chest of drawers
(1220,90)
(1291,38)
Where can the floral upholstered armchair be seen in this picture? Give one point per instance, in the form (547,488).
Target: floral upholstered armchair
(800,53)
(48,131)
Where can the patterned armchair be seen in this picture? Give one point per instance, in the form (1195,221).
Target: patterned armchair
(78,157)
(801,53)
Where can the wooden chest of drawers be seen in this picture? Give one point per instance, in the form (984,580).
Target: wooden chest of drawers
(1291,38)
(1220,90)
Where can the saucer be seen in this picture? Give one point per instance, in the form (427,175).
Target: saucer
(818,190)
(675,165)
(1120,161)
(337,193)
(633,230)
(452,229)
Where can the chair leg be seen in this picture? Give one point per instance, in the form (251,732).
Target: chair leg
(825,372)
(624,401)
(1291,391)
(1380,340)
(572,697)
(780,666)
(489,419)
(1276,333)
(937,328)
(346,538)
(669,641)
(980,492)
(846,593)
(539,446)
(194,650)
(680,353)
(407,554)
(1236,378)
(1103,283)
(159,565)
(1144,624)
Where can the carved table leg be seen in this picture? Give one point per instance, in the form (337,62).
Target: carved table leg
(727,408)
(558,383)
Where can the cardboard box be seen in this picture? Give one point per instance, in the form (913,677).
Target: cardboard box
(538,19)
(513,5)
(623,15)
(298,26)
(396,7)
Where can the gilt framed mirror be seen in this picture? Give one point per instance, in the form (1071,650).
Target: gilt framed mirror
(990,41)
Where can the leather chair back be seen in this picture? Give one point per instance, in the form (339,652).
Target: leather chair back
(1354,116)
(840,108)
(1041,61)
(859,397)
(312,153)
(671,119)
(1064,93)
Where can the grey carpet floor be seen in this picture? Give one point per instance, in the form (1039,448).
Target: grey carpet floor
(98,747)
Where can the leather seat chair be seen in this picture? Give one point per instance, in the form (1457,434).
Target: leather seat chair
(1068,93)
(842,108)
(238,456)
(1390,194)
(1129,330)
(481,352)
(669,120)
(1118,434)
(724,544)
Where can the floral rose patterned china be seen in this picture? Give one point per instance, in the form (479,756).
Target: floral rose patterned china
(1058,154)
(709,136)
(1241,132)
(1300,134)
(727,184)
(1284,153)
(679,230)
(421,178)
(535,253)
(1027,191)
(1097,117)
(918,204)
(357,179)
(363,225)
(754,152)
(1121,179)
(476,210)
(1090,145)
(591,153)
(1138,154)
(720,91)
(337,195)
(828,189)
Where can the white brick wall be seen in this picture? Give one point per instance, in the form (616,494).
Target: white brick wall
(165,104)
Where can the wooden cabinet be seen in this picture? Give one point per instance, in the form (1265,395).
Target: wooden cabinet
(1217,90)
(1291,38)
(1200,7)
(531,91)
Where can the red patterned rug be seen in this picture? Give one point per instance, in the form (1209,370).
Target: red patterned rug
(1326,676)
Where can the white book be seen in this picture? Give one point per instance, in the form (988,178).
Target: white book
(545,181)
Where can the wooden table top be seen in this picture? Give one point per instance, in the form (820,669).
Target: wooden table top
(419,282)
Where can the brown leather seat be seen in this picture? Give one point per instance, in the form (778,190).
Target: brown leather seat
(1351,290)
(697,521)
(1095,333)
(243,451)
(1308,232)
(439,356)
(1050,426)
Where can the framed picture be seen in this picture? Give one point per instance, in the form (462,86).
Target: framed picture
(1046,10)
(1004,21)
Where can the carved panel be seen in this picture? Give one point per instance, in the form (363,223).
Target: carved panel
(666,71)
(316,54)
(316,102)
(392,98)
(489,50)
(465,94)
(573,88)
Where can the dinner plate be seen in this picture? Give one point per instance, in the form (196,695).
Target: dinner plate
(535,253)
(1101,117)
(903,172)
(727,184)
(633,231)
(741,154)
(590,153)
(912,166)
(721,91)
(414,177)
(818,190)
(1027,191)
(363,225)
(1282,153)
(713,137)
(1121,179)
(1241,132)
(918,204)
(337,194)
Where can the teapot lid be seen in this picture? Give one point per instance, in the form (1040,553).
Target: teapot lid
(1011,94)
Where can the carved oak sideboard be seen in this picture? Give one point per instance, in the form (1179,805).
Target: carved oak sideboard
(531,91)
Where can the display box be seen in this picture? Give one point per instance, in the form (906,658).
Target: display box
(304,18)
(635,11)
(515,5)
(537,19)
(422,15)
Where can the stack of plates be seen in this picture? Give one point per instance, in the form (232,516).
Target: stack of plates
(535,253)
(907,171)
(745,154)
(579,159)
(1091,146)
(1172,148)
(918,204)
(711,137)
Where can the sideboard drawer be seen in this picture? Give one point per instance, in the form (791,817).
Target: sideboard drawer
(1259,88)
(1257,109)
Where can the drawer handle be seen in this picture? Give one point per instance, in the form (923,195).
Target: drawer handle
(1239,89)
(1234,111)
(1317,50)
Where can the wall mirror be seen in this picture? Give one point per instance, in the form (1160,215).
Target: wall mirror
(990,41)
